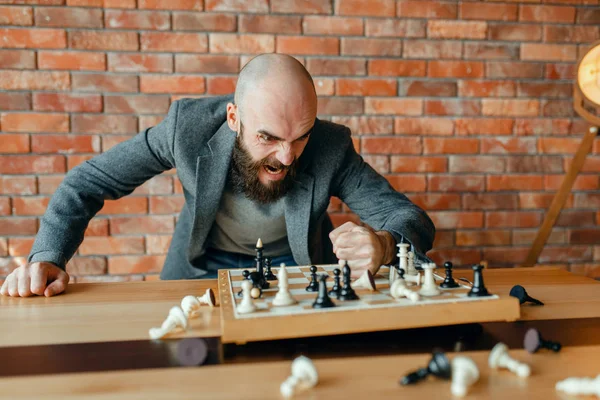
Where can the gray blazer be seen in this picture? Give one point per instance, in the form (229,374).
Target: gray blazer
(195,139)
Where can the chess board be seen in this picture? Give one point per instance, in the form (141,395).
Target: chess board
(374,311)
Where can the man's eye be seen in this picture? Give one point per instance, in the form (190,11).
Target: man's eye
(265,138)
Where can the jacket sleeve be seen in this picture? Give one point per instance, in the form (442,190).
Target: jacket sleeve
(110,175)
(371,197)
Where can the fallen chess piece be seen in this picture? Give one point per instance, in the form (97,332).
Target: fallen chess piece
(175,321)
(191,304)
(580,386)
(464,374)
(499,358)
(283,296)
(246,306)
(520,293)
(399,290)
(366,281)
(304,376)
(438,366)
(533,341)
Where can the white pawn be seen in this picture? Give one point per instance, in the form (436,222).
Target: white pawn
(176,320)
(191,304)
(304,376)
(411,264)
(464,374)
(399,290)
(246,306)
(429,288)
(499,358)
(283,296)
(580,386)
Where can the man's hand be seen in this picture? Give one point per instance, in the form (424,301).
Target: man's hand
(41,278)
(362,247)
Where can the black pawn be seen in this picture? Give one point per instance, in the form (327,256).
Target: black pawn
(323,300)
(520,293)
(478,289)
(347,293)
(438,366)
(246,275)
(533,341)
(313,286)
(269,275)
(335,290)
(449,281)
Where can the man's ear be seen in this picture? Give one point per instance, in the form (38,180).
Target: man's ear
(232,117)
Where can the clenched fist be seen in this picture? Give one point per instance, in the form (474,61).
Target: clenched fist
(41,278)
(362,247)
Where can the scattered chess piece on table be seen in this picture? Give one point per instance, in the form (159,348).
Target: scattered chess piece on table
(478,289)
(313,286)
(499,358)
(347,293)
(191,304)
(533,341)
(449,281)
(520,293)
(323,300)
(283,296)
(335,290)
(399,290)
(304,376)
(366,281)
(580,386)
(175,321)
(464,374)
(438,366)
(246,306)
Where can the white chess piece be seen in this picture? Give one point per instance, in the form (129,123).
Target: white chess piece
(499,358)
(176,320)
(246,306)
(304,376)
(464,374)
(429,288)
(402,261)
(411,264)
(580,386)
(191,304)
(399,290)
(283,296)
(413,279)
(365,281)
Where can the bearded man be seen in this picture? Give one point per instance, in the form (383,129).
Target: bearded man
(256,165)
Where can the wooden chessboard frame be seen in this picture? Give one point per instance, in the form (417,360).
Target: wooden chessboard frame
(243,330)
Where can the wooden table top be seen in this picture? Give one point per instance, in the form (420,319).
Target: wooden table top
(357,378)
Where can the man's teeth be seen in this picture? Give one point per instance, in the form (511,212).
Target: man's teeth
(272,169)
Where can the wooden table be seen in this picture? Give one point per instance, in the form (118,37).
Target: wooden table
(339,378)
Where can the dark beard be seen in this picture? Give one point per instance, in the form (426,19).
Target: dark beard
(244,171)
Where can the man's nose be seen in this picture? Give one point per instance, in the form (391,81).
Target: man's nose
(285,155)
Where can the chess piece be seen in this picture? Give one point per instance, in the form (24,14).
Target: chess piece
(269,276)
(413,279)
(366,281)
(283,296)
(533,341)
(429,288)
(478,289)
(246,275)
(520,293)
(449,281)
(191,304)
(438,366)
(499,358)
(399,290)
(464,374)
(347,293)
(258,280)
(402,261)
(313,286)
(175,321)
(192,352)
(246,306)
(304,376)
(580,386)
(323,300)
(335,290)
(411,264)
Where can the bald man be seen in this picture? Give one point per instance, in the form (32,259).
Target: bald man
(259,164)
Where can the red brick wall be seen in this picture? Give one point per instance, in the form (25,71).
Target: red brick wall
(464,105)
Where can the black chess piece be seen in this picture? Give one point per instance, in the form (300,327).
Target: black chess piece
(347,293)
(246,275)
(313,286)
(520,293)
(438,366)
(323,300)
(258,280)
(533,341)
(449,281)
(269,275)
(335,290)
(478,289)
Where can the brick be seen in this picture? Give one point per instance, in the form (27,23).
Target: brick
(544,89)
(5,208)
(528,164)
(566,254)
(432,49)
(15,101)
(505,256)
(436,201)
(150,20)
(587,200)
(510,108)
(460,257)
(456,69)
(174,42)
(426,9)
(3,250)
(380,164)
(318,25)
(67,102)
(12,226)
(450,146)
(209,22)
(375,8)
(324,86)
(424,126)
(366,87)
(491,51)
(546,13)
(111,141)
(420,88)
(16,16)
(104,83)
(148,121)
(490,201)
(69,17)
(523,237)
(539,200)
(22,185)
(158,244)
(557,108)
(367,125)
(65,144)
(515,32)
(40,2)
(591,164)
(69,60)
(453,107)
(17,59)
(143,225)
(49,184)
(509,182)
(307,45)
(135,264)
(560,71)
(120,62)
(507,69)
(171,4)
(558,145)
(456,29)
(583,182)
(103,40)
(258,6)
(377,145)
(461,183)
(219,85)
(335,66)
(482,11)
(588,16)
(238,44)
(483,238)
(508,145)
(548,52)
(75,160)
(34,122)
(340,106)
(269,24)
(584,236)
(206,63)
(395,28)
(166,204)
(371,47)
(172,84)
(160,184)
(575,218)
(136,104)
(14,143)
(513,219)
(384,67)
(301,7)
(408,183)
(79,266)
(19,247)
(25,164)
(32,38)
(393,106)
(476,164)
(112,124)
(30,205)
(487,126)
(125,205)
(571,34)
(418,164)
(456,219)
